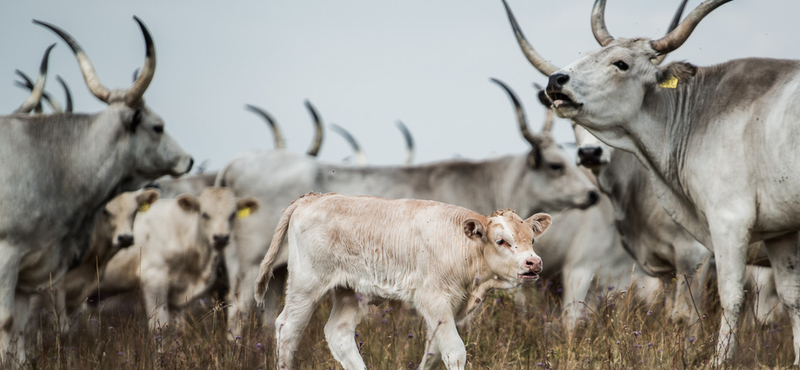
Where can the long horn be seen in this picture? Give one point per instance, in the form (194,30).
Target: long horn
(675,20)
(521,120)
(678,36)
(548,113)
(599,29)
(276,131)
(134,94)
(409,142)
(68,101)
(28,85)
(89,75)
(38,88)
(318,132)
(361,159)
(533,56)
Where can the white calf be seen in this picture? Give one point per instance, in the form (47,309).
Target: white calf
(437,257)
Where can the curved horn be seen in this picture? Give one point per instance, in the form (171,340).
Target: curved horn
(68,94)
(276,131)
(409,142)
(89,75)
(38,88)
(521,120)
(675,20)
(678,36)
(533,56)
(318,133)
(361,159)
(599,29)
(28,85)
(134,94)
(548,113)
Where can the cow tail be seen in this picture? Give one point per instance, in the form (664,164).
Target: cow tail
(265,271)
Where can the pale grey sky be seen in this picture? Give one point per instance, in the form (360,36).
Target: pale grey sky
(363,64)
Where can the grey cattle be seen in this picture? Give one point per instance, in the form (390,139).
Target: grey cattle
(718,142)
(59,171)
(543,179)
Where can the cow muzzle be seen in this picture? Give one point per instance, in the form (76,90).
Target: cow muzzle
(183,166)
(124,240)
(590,156)
(221,240)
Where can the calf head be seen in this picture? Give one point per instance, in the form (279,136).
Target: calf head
(134,131)
(114,228)
(217,209)
(508,243)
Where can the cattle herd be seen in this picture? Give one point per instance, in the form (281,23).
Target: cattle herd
(682,171)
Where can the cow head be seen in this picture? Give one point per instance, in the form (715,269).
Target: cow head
(606,88)
(549,176)
(217,209)
(115,225)
(137,131)
(508,243)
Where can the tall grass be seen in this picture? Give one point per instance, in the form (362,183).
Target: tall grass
(617,332)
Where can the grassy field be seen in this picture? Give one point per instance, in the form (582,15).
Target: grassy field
(617,333)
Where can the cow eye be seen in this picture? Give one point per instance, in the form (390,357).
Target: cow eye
(621,65)
(556,166)
(206,216)
(159,129)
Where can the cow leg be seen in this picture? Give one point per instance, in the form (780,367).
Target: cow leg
(341,327)
(784,256)
(22,310)
(301,300)
(576,286)
(691,274)
(443,335)
(730,240)
(9,270)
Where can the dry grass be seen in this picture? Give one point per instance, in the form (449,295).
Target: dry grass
(618,333)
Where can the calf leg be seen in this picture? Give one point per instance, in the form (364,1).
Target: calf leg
(784,256)
(156,304)
(443,336)
(576,286)
(341,327)
(301,300)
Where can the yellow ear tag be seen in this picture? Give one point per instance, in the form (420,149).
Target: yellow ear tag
(144,207)
(672,83)
(242,213)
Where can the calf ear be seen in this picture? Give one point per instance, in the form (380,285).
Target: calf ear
(474,229)
(188,203)
(539,223)
(147,196)
(246,206)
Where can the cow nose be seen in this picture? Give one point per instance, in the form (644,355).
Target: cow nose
(125,240)
(221,240)
(594,196)
(557,81)
(534,264)
(590,154)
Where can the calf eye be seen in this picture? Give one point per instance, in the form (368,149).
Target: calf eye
(500,242)
(621,65)
(206,216)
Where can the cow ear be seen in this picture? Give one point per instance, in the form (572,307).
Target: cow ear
(474,229)
(132,120)
(246,206)
(671,75)
(188,203)
(147,196)
(539,223)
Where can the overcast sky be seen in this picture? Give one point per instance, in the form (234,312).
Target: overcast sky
(363,64)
